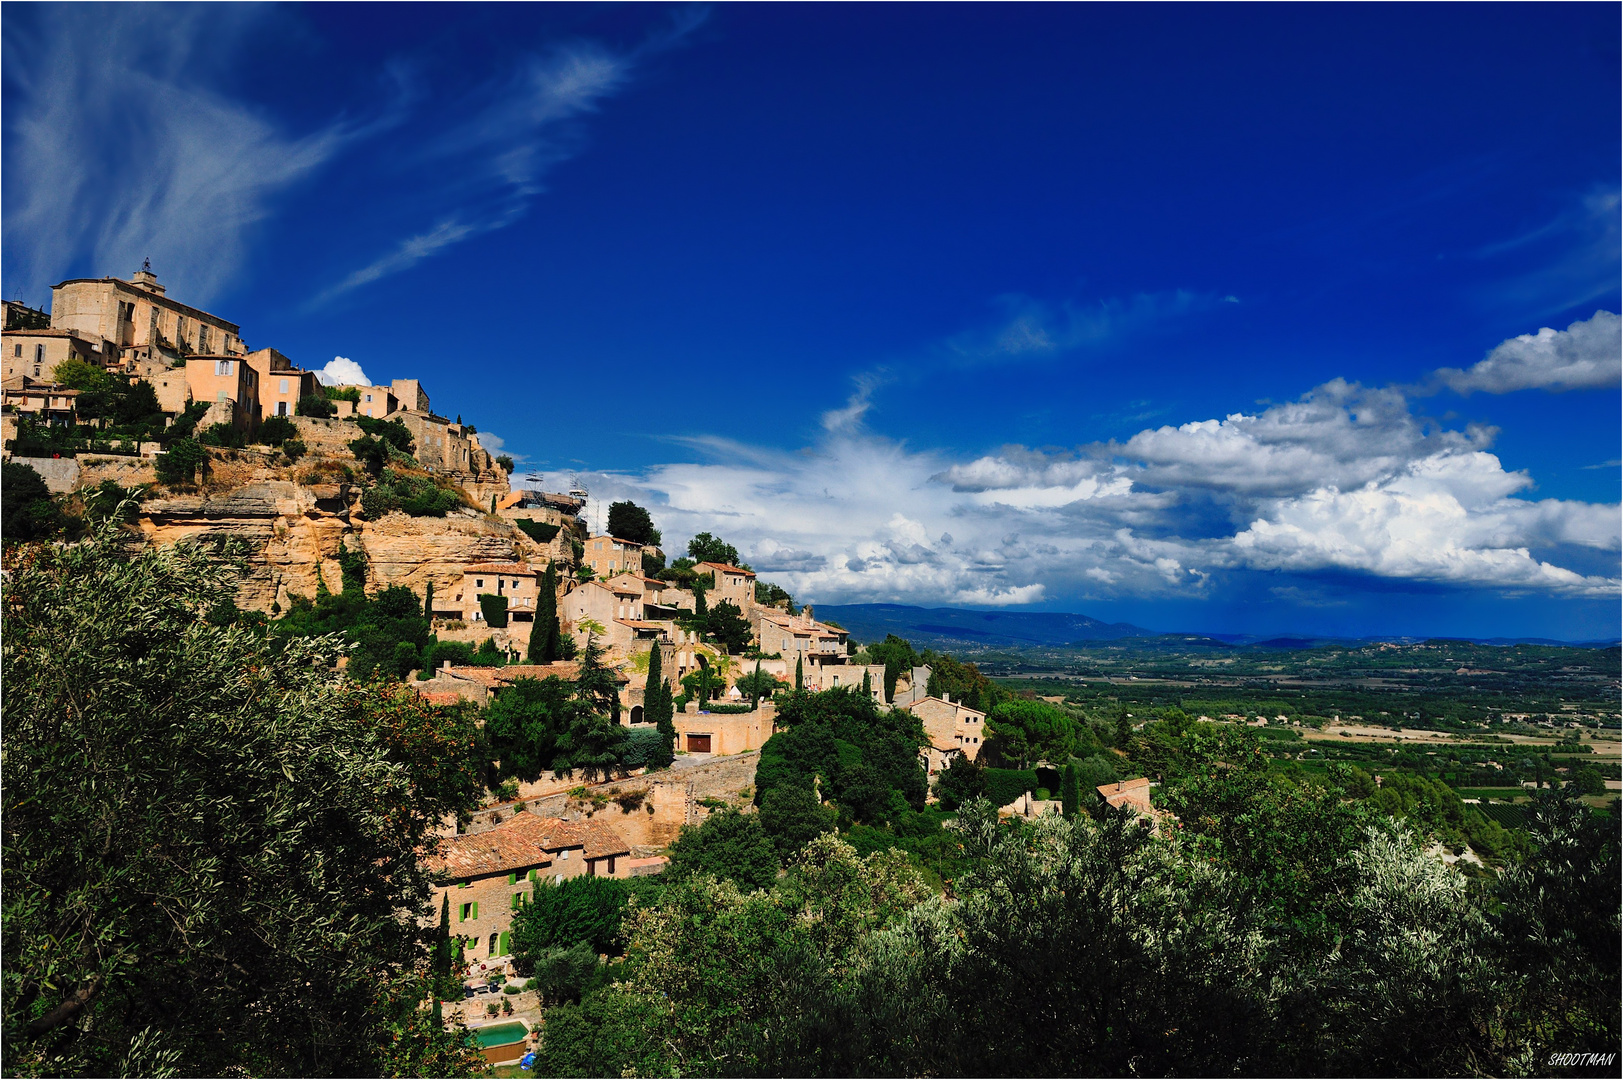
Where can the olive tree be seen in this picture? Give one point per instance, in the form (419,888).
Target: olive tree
(211,841)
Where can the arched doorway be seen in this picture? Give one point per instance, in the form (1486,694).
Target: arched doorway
(636,714)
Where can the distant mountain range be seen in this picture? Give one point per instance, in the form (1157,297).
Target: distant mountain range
(948,628)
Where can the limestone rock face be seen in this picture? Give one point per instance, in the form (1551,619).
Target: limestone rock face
(410,551)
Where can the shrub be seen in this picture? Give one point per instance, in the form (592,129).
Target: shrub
(277,430)
(315,405)
(293,448)
(539,531)
(341,393)
(512,988)
(1003,786)
(642,745)
(222,435)
(179,464)
(494,608)
(413,494)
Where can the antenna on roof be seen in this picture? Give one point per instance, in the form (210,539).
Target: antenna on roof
(146,264)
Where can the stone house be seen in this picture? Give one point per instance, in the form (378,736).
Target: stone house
(34,354)
(604,603)
(490,875)
(1133,794)
(731,583)
(608,556)
(226,381)
(518,582)
(47,402)
(786,634)
(724,733)
(281,385)
(139,320)
(952,728)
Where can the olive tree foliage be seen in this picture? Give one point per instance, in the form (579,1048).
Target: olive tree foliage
(211,841)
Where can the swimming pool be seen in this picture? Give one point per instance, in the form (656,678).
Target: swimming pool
(500,1034)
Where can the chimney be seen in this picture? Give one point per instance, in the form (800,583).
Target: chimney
(807,611)
(946,697)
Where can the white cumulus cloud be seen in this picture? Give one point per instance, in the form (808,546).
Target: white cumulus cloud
(1586,355)
(342,371)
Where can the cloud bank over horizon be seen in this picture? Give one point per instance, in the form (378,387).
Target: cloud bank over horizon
(1345,479)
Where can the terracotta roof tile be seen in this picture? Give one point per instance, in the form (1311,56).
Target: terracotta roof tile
(515,844)
(729,569)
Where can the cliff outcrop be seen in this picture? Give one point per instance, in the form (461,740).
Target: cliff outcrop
(296,517)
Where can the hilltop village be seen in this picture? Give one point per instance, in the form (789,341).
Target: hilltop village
(121,388)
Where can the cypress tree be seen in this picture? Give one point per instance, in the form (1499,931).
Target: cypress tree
(701,611)
(1124,730)
(656,709)
(428,603)
(800,674)
(544,646)
(704,686)
(442,954)
(1070,792)
(867,683)
(755,692)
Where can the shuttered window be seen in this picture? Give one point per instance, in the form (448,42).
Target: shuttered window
(504,943)
(476,909)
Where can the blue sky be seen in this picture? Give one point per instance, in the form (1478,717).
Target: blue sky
(1250,319)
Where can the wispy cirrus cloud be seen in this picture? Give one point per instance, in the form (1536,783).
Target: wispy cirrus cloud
(117,149)
(1030,328)
(141,152)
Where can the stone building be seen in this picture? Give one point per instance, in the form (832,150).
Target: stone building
(280,384)
(229,382)
(138,320)
(608,556)
(35,353)
(724,733)
(46,402)
(490,875)
(518,582)
(952,728)
(731,583)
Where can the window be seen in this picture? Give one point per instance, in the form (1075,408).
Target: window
(479,583)
(467,910)
(369,398)
(494,938)
(284,386)
(563,856)
(17,350)
(281,408)
(39,354)
(222,367)
(203,339)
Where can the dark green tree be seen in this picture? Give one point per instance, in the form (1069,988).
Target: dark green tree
(727,845)
(544,633)
(27,511)
(1025,732)
(524,722)
(249,832)
(428,602)
(628,521)
(575,911)
(1070,791)
(791,816)
(707,548)
(178,465)
(898,656)
(657,708)
(800,674)
(728,627)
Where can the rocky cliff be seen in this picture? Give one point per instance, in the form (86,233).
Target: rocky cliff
(295,517)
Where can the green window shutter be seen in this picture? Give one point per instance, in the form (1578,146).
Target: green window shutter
(532,875)
(462,913)
(512,876)
(512,901)
(504,943)
(476,909)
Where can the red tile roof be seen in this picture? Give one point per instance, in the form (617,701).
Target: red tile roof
(515,844)
(500,568)
(729,569)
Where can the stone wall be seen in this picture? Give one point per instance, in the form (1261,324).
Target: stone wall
(61,474)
